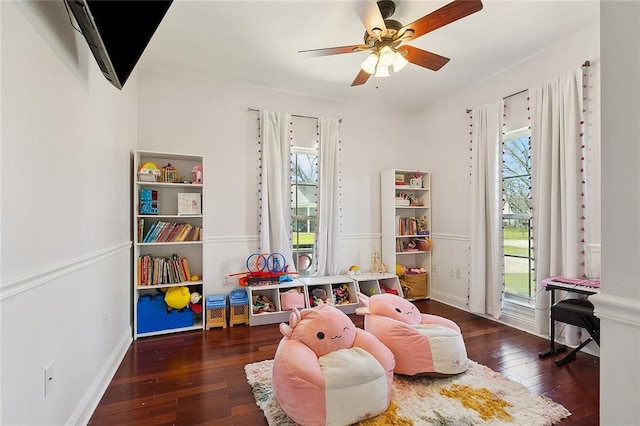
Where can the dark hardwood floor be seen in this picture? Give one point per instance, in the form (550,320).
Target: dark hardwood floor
(197,378)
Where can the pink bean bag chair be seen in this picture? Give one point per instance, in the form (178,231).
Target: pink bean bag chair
(328,372)
(422,344)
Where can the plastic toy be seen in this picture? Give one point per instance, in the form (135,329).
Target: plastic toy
(148,172)
(326,371)
(264,268)
(422,344)
(318,297)
(194,302)
(177,297)
(197,174)
(354,270)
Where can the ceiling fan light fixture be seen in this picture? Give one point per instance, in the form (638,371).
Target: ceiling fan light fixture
(387,56)
(369,64)
(400,62)
(382,71)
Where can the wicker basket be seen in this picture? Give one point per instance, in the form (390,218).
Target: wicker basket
(414,286)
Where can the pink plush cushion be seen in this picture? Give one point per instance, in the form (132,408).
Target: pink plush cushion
(421,343)
(327,371)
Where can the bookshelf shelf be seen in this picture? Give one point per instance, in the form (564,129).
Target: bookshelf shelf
(406,221)
(173,254)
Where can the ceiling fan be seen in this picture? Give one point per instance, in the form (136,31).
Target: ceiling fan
(384,37)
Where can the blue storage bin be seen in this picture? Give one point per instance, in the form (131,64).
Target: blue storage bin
(153,315)
(216,301)
(238,297)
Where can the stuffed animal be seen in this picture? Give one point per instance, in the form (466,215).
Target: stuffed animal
(177,297)
(195,304)
(422,344)
(327,371)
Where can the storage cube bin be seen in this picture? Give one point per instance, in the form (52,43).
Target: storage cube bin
(216,311)
(290,300)
(153,315)
(238,307)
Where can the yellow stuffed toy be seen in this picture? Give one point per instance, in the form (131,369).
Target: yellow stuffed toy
(177,297)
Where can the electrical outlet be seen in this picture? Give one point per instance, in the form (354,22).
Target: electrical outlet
(451,272)
(458,273)
(434,268)
(48,379)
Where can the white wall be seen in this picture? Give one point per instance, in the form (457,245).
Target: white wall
(618,306)
(181,113)
(445,132)
(67,136)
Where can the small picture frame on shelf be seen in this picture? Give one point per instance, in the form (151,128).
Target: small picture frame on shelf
(189,204)
(415,182)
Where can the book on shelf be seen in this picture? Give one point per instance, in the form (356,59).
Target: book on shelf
(162,270)
(162,232)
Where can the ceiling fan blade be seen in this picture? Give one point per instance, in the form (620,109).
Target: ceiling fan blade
(361,78)
(447,14)
(334,50)
(423,58)
(370,15)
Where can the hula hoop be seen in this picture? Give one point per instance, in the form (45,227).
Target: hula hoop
(276,263)
(256,262)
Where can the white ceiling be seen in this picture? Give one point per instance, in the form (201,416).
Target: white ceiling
(257,43)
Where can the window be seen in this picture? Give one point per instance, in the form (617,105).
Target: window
(304,203)
(516,215)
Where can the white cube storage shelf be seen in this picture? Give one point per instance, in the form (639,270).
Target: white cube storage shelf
(334,287)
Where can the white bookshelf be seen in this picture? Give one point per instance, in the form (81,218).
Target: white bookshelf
(145,324)
(402,205)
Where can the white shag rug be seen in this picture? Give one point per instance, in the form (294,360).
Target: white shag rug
(480,396)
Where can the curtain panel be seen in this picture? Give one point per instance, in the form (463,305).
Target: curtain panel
(556,109)
(486,283)
(275,185)
(326,256)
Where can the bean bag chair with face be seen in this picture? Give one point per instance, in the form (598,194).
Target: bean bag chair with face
(328,372)
(422,344)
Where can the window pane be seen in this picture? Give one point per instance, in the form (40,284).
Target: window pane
(517,277)
(515,157)
(304,168)
(516,213)
(304,234)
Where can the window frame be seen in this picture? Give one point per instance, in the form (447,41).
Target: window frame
(513,297)
(309,251)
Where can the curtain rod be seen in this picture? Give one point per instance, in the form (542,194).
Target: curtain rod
(585,64)
(293,115)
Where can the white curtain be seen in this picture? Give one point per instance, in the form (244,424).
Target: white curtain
(556,111)
(275,203)
(486,284)
(328,230)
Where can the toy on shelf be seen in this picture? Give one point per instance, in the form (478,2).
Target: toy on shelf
(376,264)
(197,174)
(195,302)
(354,270)
(264,269)
(148,201)
(148,172)
(318,297)
(341,294)
(177,297)
(169,174)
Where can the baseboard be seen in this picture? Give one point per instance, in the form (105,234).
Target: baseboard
(84,410)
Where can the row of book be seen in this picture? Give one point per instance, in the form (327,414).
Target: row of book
(160,232)
(162,270)
(411,226)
